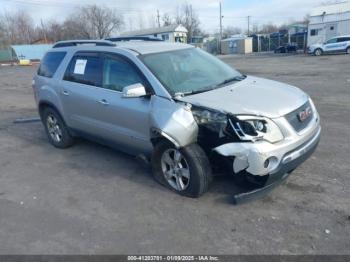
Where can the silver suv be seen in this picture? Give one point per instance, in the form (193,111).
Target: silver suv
(184,110)
(339,44)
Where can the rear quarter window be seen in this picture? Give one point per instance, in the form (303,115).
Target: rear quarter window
(50,63)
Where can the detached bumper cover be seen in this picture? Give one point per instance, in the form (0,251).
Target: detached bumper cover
(290,161)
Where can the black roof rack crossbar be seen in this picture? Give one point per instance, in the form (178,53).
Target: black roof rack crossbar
(82,42)
(131,38)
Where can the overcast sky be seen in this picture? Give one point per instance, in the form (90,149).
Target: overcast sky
(143,12)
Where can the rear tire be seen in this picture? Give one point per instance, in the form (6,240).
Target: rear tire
(189,176)
(348,50)
(56,130)
(318,52)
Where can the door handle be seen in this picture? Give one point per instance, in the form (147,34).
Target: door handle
(65,93)
(103,102)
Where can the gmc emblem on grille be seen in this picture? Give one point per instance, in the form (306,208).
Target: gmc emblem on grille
(305,114)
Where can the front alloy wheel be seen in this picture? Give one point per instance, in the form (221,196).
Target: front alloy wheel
(318,52)
(184,170)
(175,169)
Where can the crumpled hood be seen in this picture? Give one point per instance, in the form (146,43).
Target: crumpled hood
(252,95)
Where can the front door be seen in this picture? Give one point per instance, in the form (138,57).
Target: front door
(127,119)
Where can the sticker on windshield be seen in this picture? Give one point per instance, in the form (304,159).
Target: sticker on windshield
(79,68)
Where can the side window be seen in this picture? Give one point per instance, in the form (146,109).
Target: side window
(85,69)
(332,41)
(314,32)
(343,39)
(50,63)
(118,73)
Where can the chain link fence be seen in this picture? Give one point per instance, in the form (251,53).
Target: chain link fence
(266,43)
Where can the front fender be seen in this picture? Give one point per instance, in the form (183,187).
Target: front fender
(173,120)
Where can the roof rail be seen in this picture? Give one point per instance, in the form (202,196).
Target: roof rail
(133,38)
(82,42)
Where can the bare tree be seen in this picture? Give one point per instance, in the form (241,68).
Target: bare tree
(230,30)
(306,19)
(50,31)
(189,19)
(98,22)
(269,28)
(167,20)
(18,27)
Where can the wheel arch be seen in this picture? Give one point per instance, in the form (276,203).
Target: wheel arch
(158,135)
(46,104)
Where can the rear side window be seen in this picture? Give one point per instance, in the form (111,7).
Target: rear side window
(85,69)
(50,63)
(343,39)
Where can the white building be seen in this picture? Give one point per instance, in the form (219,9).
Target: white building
(172,33)
(329,21)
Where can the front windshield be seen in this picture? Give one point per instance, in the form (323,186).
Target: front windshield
(189,70)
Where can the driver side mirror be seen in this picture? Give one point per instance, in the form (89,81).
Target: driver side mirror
(133,91)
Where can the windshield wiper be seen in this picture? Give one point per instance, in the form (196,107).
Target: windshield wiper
(226,81)
(229,80)
(198,91)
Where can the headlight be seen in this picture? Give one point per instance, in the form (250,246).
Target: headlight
(251,128)
(247,128)
(204,116)
(213,120)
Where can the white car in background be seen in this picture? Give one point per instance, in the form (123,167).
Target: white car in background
(339,44)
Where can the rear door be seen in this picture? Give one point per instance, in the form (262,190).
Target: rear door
(342,43)
(80,92)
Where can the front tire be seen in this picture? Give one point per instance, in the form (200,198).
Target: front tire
(318,52)
(348,50)
(186,171)
(56,129)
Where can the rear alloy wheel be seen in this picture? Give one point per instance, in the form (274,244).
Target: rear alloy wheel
(318,52)
(56,129)
(184,170)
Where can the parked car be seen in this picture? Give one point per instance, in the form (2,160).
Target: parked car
(181,108)
(339,44)
(288,48)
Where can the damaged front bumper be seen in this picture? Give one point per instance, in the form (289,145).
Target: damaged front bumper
(275,160)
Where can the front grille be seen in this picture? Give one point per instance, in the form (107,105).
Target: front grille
(295,122)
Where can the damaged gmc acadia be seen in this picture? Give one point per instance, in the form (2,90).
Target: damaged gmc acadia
(187,112)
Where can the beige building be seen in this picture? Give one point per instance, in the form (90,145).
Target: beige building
(237,45)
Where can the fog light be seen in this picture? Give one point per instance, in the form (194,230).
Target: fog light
(271,162)
(266,163)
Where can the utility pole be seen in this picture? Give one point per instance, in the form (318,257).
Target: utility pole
(221,16)
(248,25)
(44,31)
(158,18)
